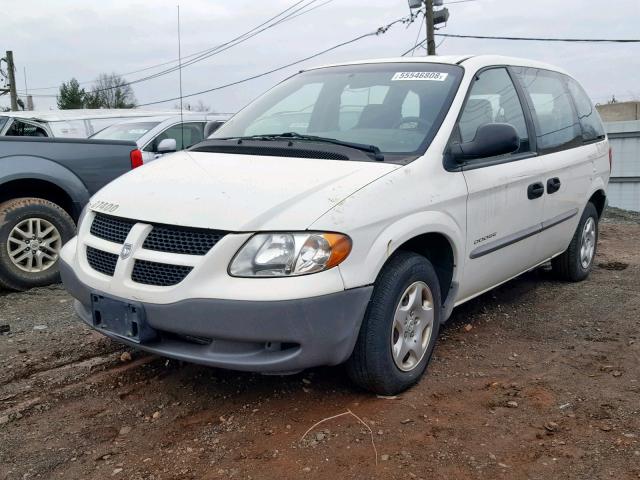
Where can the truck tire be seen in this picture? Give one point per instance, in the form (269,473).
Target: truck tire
(32,232)
(400,327)
(575,263)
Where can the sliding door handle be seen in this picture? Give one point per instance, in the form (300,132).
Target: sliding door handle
(553,185)
(535,190)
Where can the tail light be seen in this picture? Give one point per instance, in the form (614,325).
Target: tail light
(610,158)
(136,158)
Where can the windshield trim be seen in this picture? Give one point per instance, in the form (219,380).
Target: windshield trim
(389,157)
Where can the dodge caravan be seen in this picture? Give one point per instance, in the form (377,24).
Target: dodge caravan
(343,215)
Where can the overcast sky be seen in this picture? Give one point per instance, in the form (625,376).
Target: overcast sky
(57,40)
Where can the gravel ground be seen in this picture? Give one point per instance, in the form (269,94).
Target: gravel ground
(537,379)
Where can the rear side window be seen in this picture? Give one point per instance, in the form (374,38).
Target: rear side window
(590,122)
(493,99)
(556,122)
(23,129)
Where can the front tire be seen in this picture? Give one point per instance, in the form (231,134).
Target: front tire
(575,263)
(32,232)
(400,327)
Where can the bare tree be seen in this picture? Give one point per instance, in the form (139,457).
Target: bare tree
(110,91)
(201,107)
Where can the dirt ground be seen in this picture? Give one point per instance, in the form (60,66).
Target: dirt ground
(538,379)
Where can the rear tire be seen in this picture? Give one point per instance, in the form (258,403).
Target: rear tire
(32,231)
(400,327)
(575,263)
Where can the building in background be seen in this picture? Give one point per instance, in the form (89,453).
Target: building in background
(622,122)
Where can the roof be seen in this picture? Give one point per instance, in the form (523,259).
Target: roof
(478,61)
(84,114)
(176,115)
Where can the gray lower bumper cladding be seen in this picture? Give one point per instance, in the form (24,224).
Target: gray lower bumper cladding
(260,336)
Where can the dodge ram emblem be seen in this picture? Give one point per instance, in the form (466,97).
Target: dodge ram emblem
(126,251)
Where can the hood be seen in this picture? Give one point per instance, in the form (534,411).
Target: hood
(237,192)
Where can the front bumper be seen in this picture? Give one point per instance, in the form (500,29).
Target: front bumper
(261,336)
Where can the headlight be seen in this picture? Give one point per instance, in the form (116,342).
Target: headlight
(289,254)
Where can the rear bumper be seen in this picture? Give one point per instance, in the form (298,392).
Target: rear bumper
(261,336)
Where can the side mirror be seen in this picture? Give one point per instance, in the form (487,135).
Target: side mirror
(167,145)
(491,139)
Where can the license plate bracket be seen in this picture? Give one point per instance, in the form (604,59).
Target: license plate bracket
(124,319)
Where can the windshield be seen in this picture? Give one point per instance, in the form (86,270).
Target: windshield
(3,120)
(397,107)
(125,131)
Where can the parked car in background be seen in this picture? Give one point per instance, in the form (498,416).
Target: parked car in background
(350,233)
(44,184)
(81,123)
(162,134)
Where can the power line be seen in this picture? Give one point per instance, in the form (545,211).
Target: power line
(417,38)
(221,48)
(415,47)
(379,31)
(203,54)
(543,39)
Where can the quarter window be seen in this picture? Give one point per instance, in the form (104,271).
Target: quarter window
(557,125)
(590,122)
(493,99)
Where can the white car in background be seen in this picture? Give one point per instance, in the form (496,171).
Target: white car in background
(80,123)
(162,134)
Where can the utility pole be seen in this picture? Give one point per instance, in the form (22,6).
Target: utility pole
(11,74)
(428,18)
(431,18)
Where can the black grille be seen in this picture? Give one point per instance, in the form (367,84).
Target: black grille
(159,274)
(109,228)
(103,262)
(182,240)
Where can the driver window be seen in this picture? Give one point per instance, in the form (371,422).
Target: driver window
(493,99)
(185,135)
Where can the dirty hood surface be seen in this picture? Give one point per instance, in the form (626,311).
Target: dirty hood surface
(237,192)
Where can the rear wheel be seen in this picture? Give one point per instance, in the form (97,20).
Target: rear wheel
(32,232)
(575,263)
(400,327)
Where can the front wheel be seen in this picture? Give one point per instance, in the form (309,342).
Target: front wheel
(575,263)
(400,327)
(32,232)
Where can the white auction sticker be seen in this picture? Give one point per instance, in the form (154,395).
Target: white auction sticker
(434,76)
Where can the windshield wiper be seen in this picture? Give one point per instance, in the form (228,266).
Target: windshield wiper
(299,136)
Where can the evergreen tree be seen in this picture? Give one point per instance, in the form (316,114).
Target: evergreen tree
(71,95)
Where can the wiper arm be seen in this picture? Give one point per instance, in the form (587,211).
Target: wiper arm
(358,146)
(299,136)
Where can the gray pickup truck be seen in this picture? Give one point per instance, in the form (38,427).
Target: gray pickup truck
(44,185)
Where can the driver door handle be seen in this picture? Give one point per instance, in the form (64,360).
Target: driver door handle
(535,190)
(553,185)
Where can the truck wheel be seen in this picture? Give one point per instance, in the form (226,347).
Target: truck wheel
(32,232)
(575,263)
(400,327)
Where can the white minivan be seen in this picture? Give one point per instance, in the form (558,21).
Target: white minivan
(342,216)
